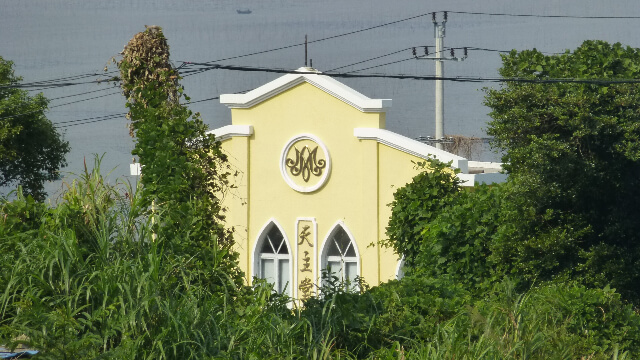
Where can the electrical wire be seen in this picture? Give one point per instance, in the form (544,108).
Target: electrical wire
(542,16)
(374,58)
(91,98)
(90,118)
(79,94)
(432,77)
(96,119)
(385,64)
(59,105)
(56,82)
(315,41)
(89,122)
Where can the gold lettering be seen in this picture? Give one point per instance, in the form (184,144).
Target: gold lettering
(304,236)
(307,263)
(305,287)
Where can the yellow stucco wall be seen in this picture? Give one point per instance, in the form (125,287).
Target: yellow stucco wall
(364,174)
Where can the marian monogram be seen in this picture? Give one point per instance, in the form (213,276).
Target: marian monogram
(306,163)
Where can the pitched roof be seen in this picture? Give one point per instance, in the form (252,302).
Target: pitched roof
(313,77)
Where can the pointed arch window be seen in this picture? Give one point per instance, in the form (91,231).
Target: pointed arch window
(340,256)
(274,259)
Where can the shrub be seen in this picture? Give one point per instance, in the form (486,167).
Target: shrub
(418,203)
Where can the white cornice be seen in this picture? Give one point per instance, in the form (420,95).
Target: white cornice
(229,131)
(411,146)
(485,178)
(322,82)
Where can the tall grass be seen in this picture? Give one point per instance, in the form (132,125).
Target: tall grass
(95,277)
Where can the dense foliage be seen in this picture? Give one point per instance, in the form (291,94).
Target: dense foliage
(418,203)
(573,154)
(91,279)
(458,241)
(31,149)
(113,272)
(183,168)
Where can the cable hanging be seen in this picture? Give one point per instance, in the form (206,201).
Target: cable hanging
(543,16)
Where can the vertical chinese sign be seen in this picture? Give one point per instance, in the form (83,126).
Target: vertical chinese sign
(306,258)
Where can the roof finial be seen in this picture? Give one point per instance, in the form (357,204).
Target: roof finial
(305,50)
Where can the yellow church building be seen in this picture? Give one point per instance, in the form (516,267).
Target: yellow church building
(316,170)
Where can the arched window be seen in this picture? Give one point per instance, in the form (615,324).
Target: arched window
(340,256)
(273,259)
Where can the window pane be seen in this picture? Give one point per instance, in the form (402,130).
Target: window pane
(266,246)
(341,244)
(268,270)
(277,240)
(333,249)
(283,274)
(335,268)
(342,239)
(351,251)
(351,273)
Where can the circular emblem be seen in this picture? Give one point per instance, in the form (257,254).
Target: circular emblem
(305,163)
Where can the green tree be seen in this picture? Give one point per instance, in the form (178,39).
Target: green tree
(572,150)
(418,203)
(183,168)
(456,243)
(31,149)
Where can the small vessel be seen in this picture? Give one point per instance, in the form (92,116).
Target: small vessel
(243,11)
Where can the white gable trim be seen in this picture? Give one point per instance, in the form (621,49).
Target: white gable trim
(229,131)
(485,178)
(322,82)
(411,146)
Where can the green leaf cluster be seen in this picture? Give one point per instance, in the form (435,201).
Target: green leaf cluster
(92,278)
(184,171)
(418,203)
(573,156)
(31,149)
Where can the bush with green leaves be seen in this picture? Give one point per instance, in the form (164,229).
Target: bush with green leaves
(93,280)
(458,241)
(573,157)
(417,203)
(554,321)
(32,151)
(406,311)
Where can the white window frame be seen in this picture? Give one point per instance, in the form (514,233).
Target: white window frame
(258,256)
(328,242)
(400,269)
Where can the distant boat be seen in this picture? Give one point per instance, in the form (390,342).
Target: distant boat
(243,11)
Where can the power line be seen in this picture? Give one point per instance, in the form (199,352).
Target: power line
(59,105)
(544,16)
(39,87)
(502,51)
(314,41)
(56,82)
(385,64)
(79,94)
(90,118)
(371,59)
(90,122)
(91,98)
(96,119)
(430,77)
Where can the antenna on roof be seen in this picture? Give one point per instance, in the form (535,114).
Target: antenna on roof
(305,50)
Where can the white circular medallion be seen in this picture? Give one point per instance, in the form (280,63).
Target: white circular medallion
(305,163)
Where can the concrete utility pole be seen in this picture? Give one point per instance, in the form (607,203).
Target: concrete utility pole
(438,34)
